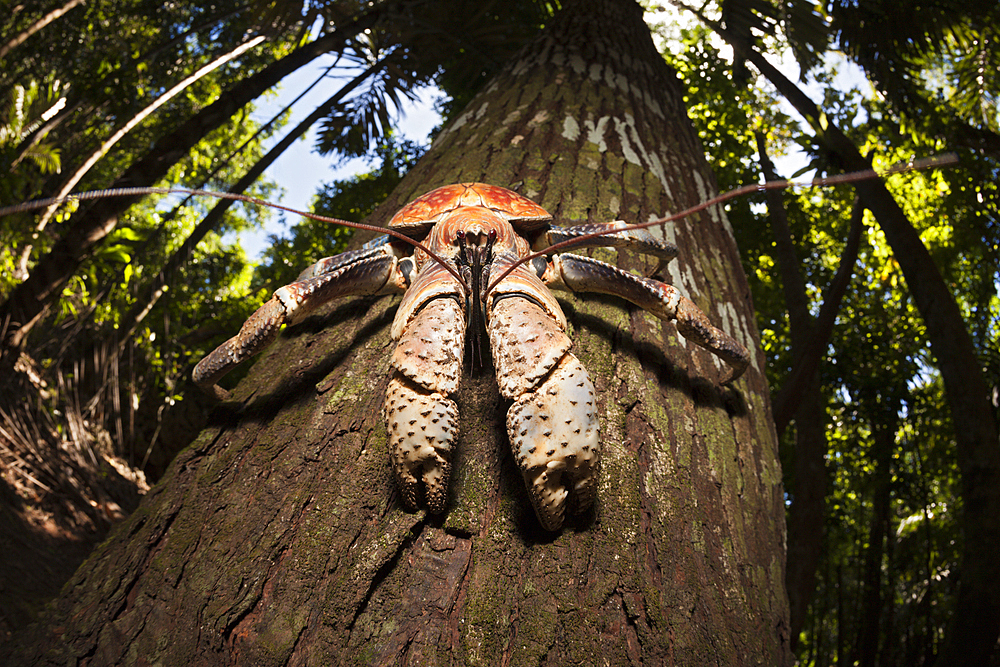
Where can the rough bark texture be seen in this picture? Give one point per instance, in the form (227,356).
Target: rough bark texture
(278,537)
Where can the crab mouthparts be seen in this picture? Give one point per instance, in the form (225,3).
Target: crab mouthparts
(475,255)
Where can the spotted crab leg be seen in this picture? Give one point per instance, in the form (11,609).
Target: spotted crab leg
(377,247)
(372,272)
(581,236)
(575,273)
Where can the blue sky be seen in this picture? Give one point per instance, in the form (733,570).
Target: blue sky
(300,171)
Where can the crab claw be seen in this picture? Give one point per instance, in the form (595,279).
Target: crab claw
(422,420)
(422,426)
(553,432)
(552,424)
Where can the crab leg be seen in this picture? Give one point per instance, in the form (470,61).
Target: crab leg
(583,274)
(639,240)
(370,274)
(380,245)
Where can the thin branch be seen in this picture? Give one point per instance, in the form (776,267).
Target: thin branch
(38,25)
(807,361)
(138,118)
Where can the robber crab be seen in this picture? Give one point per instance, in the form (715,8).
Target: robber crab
(466,280)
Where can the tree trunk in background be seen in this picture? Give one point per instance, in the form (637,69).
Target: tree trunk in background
(884,440)
(40,23)
(810,337)
(975,628)
(277,538)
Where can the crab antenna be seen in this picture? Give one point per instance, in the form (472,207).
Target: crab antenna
(864,174)
(913,165)
(140,191)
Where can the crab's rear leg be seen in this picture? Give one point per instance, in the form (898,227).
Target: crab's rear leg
(373,273)
(583,274)
(552,424)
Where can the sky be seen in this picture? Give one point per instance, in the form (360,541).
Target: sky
(300,171)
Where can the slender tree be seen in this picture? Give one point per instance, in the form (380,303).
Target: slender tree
(805,402)
(278,536)
(975,627)
(39,23)
(88,228)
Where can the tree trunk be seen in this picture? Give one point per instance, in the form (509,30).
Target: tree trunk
(278,538)
(809,337)
(40,23)
(884,440)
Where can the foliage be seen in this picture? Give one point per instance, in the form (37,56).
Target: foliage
(936,60)
(469,39)
(351,199)
(879,373)
(25,170)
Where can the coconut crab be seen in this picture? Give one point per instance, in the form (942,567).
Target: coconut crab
(472,274)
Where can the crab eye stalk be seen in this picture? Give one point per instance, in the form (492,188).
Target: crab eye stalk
(460,237)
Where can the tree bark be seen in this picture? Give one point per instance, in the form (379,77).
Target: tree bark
(278,538)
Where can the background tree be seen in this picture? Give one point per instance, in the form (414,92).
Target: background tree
(761,26)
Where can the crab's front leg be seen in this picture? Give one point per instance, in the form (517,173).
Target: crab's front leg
(421,418)
(583,274)
(374,271)
(552,424)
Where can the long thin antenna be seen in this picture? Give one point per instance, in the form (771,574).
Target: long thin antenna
(913,165)
(140,191)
